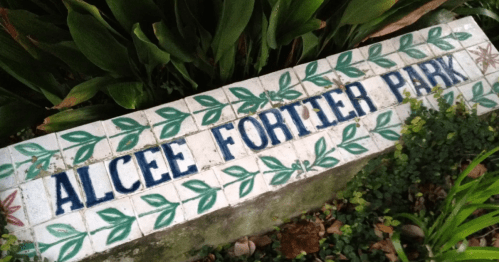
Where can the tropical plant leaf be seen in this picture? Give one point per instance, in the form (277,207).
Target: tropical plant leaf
(389,135)
(281,177)
(362,11)
(320,147)
(349,132)
(197,186)
(272,162)
(30,149)
(128,142)
(383,119)
(246,187)
(207,202)
(78,136)
(70,249)
(129,12)
(355,148)
(165,218)
(126,94)
(155,200)
(62,230)
(119,233)
(6,170)
(84,92)
(112,216)
(148,52)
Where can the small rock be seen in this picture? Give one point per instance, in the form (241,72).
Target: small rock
(261,241)
(477,172)
(136,251)
(412,231)
(335,228)
(473,242)
(244,247)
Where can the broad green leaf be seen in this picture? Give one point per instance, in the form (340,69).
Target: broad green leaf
(126,123)
(471,254)
(40,164)
(207,101)
(183,71)
(461,36)
(272,162)
(246,187)
(281,177)
(84,92)
(310,42)
(383,119)
(62,230)
(295,32)
(155,200)
(30,149)
(291,94)
(477,89)
(449,98)
(495,87)
(172,42)
(112,216)
(362,11)
(344,60)
(227,64)
(349,132)
(197,186)
(385,63)
(434,33)
(85,8)
(148,52)
(6,170)
(263,54)
(444,45)
(328,162)
(128,142)
(129,12)
(406,41)
(284,80)
(320,81)
(119,233)
(485,102)
(242,93)
(70,249)
(235,16)
(375,51)
(355,149)
(171,129)
(320,147)
(236,171)
(165,218)
(78,136)
(126,94)
(84,153)
(398,247)
(415,53)
(98,44)
(389,135)
(212,116)
(207,202)
(351,72)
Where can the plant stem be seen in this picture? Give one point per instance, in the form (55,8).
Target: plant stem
(241,179)
(386,127)
(168,121)
(349,142)
(68,238)
(156,211)
(211,108)
(309,77)
(202,195)
(96,140)
(142,128)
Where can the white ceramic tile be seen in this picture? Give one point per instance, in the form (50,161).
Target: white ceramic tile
(64,239)
(38,156)
(36,201)
(486,57)
(467,31)
(397,84)
(241,180)
(275,125)
(180,158)
(95,183)
(124,175)
(382,57)
(12,204)
(84,144)
(229,142)
(7,170)
(280,166)
(247,97)
(468,65)
(322,114)
(26,242)
(210,108)
(441,39)
(158,208)
(318,153)
(171,120)
(480,93)
(204,150)
(350,66)
(253,134)
(353,140)
(451,95)
(297,117)
(65,192)
(384,127)
(412,47)
(112,224)
(316,77)
(283,86)
(404,110)
(128,133)
(377,91)
(200,194)
(493,80)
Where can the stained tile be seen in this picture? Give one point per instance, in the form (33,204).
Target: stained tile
(152,166)
(36,201)
(180,158)
(329,109)
(467,31)
(468,65)
(112,224)
(229,142)
(493,80)
(128,133)
(84,144)
(171,120)
(318,153)
(38,156)
(247,97)
(316,77)
(371,95)
(64,192)
(158,208)
(485,56)
(451,96)
(297,118)
(95,183)
(412,47)
(27,243)
(210,109)
(350,66)
(253,134)
(64,238)
(124,175)
(397,85)
(384,127)
(200,194)
(382,57)
(282,86)
(12,203)
(280,166)
(204,150)
(404,110)
(7,170)
(352,140)
(481,94)
(441,39)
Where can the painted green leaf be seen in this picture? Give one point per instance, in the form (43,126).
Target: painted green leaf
(242,93)
(485,102)
(236,171)
(311,69)
(28,249)
(320,81)
(165,218)
(246,187)
(449,98)
(320,147)
(62,230)
(43,247)
(355,148)
(349,132)
(461,36)
(207,101)
(30,149)
(70,249)
(84,153)
(389,134)
(78,136)
(291,94)
(6,170)
(197,186)
(415,53)
(169,113)
(112,216)
(495,87)
(444,45)
(207,202)
(41,163)
(281,177)
(119,233)
(434,33)
(375,50)
(344,60)
(128,142)
(170,129)
(174,119)
(272,162)
(155,200)
(385,63)
(125,123)
(383,119)
(328,162)
(351,72)
(477,89)
(212,116)
(406,41)
(284,80)
(248,107)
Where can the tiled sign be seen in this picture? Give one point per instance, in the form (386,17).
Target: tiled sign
(93,187)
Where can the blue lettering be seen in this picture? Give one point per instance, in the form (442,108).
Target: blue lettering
(336,105)
(271,127)
(86,182)
(363,96)
(62,180)
(173,159)
(223,143)
(113,170)
(146,167)
(259,129)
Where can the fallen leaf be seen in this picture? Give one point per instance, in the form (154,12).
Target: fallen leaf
(384,229)
(261,241)
(335,228)
(343,257)
(496,241)
(392,257)
(477,172)
(305,114)
(300,237)
(473,242)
